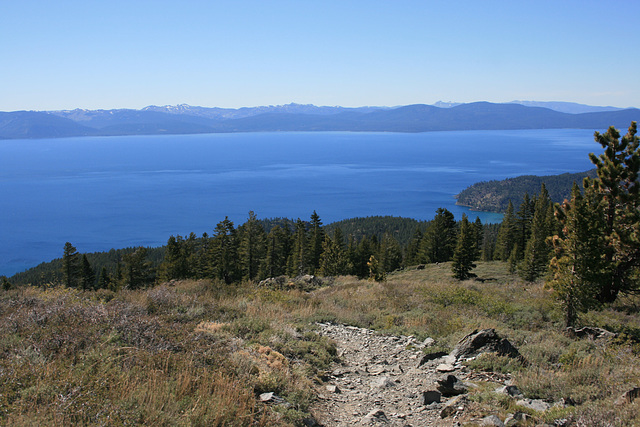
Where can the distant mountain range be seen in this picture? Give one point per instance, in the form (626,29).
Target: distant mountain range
(186,119)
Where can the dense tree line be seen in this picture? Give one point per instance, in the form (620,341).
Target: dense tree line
(263,248)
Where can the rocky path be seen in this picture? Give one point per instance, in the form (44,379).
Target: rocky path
(379,382)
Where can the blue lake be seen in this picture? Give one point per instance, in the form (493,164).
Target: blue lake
(110,192)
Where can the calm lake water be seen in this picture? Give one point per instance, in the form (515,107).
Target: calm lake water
(110,192)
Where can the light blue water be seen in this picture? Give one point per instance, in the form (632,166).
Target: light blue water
(110,192)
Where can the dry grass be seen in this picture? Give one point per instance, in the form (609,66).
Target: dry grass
(199,353)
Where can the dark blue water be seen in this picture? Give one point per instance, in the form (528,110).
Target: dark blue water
(106,192)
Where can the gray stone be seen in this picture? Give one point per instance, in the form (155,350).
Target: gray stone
(431,356)
(535,404)
(431,396)
(332,389)
(375,416)
(510,390)
(516,419)
(484,341)
(382,383)
(450,385)
(453,406)
(266,397)
(445,367)
(590,332)
(491,420)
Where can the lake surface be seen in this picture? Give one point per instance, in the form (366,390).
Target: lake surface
(111,192)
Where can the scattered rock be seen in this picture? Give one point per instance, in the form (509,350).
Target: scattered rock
(516,419)
(274,282)
(628,396)
(535,404)
(266,397)
(332,389)
(382,383)
(431,356)
(450,385)
(590,332)
(375,416)
(453,406)
(510,390)
(431,396)
(491,420)
(484,341)
(445,367)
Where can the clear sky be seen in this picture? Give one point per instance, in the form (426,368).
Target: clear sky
(67,54)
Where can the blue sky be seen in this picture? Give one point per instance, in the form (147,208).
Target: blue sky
(130,54)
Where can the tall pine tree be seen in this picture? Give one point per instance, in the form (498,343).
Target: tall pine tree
(466,251)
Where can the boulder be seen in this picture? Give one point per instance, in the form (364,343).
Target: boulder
(428,397)
(431,356)
(450,385)
(484,341)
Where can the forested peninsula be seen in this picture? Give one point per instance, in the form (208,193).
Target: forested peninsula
(495,195)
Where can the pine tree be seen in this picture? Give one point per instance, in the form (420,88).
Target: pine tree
(275,260)
(252,247)
(524,218)
(104,280)
(389,253)
(506,239)
(466,251)
(70,266)
(537,251)
(175,264)
(316,237)
(578,265)
(334,261)
(412,252)
(87,275)
(299,259)
(136,269)
(440,238)
(224,252)
(618,190)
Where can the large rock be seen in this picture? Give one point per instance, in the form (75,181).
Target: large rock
(484,341)
(431,396)
(449,386)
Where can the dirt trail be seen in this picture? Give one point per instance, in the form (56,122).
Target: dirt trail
(378,382)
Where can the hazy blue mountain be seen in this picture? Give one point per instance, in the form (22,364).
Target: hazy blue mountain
(34,124)
(293,117)
(566,107)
